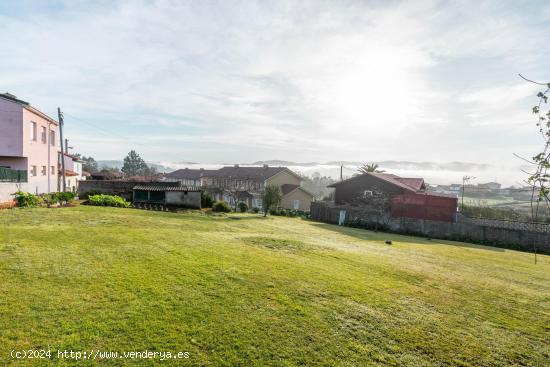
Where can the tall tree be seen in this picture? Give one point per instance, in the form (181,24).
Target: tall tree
(134,165)
(271,197)
(366,168)
(89,165)
(539,179)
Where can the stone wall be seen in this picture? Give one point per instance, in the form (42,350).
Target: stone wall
(121,188)
(512,235)
(191,199)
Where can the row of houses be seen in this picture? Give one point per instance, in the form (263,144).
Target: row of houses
(246,184)
(30,160)
(30,151)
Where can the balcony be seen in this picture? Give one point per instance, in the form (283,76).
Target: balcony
(12,175)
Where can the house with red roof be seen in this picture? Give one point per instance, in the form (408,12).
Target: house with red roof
(407,196)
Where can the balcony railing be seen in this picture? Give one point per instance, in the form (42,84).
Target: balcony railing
(12,175)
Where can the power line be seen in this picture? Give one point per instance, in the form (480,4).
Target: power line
(107,133)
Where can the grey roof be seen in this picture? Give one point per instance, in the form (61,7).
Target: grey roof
(157,187)
(254,173)
(13,98)
(285,189)
(187,173)
(26,105)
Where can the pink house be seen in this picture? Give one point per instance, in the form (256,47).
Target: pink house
(29,148)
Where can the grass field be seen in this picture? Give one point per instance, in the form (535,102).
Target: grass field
(252,291)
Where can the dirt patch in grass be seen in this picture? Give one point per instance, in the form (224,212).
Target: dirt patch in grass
(273,243)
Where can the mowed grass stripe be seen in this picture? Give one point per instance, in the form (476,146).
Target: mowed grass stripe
(263,291)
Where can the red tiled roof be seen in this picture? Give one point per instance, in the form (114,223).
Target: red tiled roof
(68,172)
(415,183)
(408,184)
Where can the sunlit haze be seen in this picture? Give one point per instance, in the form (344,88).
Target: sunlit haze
(238,82)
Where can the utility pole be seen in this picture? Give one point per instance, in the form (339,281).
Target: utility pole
(60,116)
(341,172)
(464,180)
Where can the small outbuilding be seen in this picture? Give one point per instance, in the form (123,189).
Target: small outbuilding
(177,196)
(408,197)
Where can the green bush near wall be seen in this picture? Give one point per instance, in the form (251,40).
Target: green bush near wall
(221,207)
(27,200)
(108,200)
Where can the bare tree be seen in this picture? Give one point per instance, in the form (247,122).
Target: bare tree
(539,178)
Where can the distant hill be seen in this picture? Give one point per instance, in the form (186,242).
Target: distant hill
(276,162)
(450,166)
(118,164)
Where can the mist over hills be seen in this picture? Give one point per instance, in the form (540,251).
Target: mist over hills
(450,166)
(508,173)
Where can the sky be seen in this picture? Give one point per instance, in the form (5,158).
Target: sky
(242,81)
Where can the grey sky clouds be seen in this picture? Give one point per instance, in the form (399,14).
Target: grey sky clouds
(304,81)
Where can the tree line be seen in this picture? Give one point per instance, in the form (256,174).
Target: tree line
(133,165)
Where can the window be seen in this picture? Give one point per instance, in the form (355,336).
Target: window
(296,204)
(33,170)
(52,138)
(43,171)
(52,170)
(367,194)
(33,131)
(43,134)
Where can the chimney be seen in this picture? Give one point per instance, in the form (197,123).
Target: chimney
(266,166)
(202,169)
(236,166)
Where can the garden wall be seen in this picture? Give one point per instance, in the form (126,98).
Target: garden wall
(505,234)
(121,188)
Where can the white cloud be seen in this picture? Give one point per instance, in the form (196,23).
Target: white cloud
(290,80)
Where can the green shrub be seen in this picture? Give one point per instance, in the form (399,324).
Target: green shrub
(66,196)
(221,206)
(27,200)
(50,199)
(108,200)
(256,210)
(206,200)
(243,208)
(87,194)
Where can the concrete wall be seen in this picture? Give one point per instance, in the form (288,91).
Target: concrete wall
(466,230)
(188,200)
(8,188)
(11,129)
(16,163)
(110,187)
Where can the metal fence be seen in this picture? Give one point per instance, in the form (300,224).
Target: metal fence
(12,175)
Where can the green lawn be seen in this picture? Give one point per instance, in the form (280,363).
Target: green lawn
(252,291)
